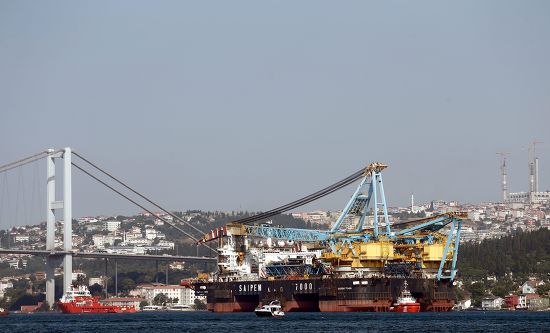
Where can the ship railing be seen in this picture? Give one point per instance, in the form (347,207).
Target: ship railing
(358,295)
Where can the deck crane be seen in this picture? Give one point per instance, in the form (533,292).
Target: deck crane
(356,242)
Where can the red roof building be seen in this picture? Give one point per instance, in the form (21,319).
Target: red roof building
(30,308)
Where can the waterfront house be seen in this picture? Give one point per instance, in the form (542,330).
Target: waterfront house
(491,303)
(530,286)
(511,301)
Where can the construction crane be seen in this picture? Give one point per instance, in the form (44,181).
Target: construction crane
(356,243)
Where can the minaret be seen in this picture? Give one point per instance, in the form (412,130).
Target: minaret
(533,170)
(531,177)
(504,183)
(412,202)
(536,174)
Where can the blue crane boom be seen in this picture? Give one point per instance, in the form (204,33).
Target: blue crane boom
(290,234)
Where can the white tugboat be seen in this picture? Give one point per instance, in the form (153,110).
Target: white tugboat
(406,302)
(271,310)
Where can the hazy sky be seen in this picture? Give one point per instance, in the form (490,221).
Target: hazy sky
(251,104)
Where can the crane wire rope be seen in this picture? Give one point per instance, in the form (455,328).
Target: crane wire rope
(305,200)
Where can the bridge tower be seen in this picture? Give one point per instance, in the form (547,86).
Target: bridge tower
(53,205)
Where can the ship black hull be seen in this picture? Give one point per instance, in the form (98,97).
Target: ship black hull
(325,295)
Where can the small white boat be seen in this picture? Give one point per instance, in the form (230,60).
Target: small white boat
(179,307)
(153,308)
(273,309)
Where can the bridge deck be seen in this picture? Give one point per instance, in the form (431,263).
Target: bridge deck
(78,254)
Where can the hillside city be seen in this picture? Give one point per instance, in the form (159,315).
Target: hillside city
(149,234)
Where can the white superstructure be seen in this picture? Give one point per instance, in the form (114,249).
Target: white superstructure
(234,264)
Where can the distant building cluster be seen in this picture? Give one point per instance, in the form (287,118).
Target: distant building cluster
(317,217)
(496,220)
(526,298)
(485,220)
(141,234)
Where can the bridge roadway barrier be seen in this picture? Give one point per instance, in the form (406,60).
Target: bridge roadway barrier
(78,254)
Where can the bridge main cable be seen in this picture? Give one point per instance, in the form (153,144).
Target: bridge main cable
(137,193)
(27,160)
(137,204)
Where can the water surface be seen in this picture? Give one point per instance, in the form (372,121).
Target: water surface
(293,322)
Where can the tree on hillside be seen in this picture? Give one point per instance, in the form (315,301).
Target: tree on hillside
(523,253)
(95,289)
(126,285)
(160,299)
(544,289)
(477,290)
(503,287)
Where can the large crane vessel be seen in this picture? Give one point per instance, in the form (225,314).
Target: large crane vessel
(363,263)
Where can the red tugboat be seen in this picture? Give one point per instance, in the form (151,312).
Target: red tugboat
(79,300)
(405,302)
(3,312)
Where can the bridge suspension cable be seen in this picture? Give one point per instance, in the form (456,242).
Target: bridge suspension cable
(27,160)
(21,199)
(137,193)
(194,238)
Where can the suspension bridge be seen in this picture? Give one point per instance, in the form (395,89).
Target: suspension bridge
(56,257)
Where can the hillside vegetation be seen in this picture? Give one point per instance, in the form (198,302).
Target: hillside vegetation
(520,253)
